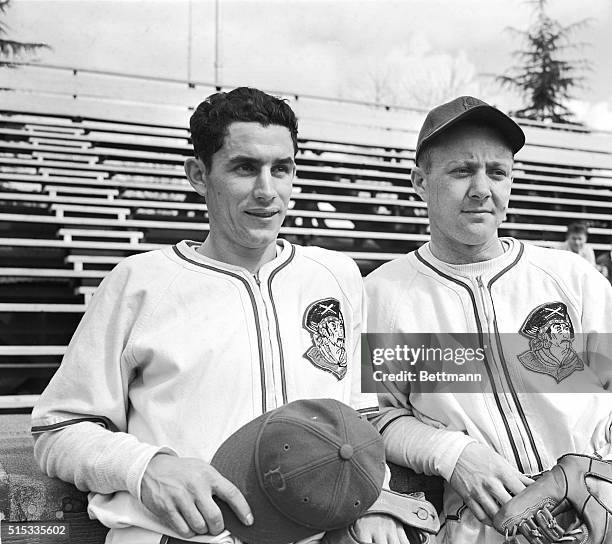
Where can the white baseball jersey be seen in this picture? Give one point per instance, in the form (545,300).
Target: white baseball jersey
(540,405)
(178,351)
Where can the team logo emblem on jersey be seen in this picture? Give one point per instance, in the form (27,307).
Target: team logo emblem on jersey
(323,320)
(551,338)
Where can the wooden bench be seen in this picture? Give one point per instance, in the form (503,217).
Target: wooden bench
(50,273)
(558,179)
(69,235)
(179,185)
(100,171)
(55,190)
(92,136)
(62,209)
(82,244)
(65,155)
(321,147)
(94,201)
(566,170)
(35,128)
(32,350)
(66,141)
(17,402)
(87,124)
(35,307)
(340,159)
(92,154)
(48,171)
(79,261)
(163,223)
(604,194)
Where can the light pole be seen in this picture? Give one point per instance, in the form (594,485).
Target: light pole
(217,46)
(189,39)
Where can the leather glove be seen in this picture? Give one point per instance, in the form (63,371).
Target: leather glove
(570,503)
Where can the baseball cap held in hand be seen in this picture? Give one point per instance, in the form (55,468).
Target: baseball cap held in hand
(307,467)
(468,108)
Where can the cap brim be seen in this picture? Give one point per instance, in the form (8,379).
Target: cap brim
(235,460)
(486,115)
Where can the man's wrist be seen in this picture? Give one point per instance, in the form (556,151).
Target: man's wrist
(141,465)
(446,461)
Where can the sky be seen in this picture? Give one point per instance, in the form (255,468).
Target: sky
(410,52)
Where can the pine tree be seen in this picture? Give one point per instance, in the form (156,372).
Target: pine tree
(11,50)
(544,75)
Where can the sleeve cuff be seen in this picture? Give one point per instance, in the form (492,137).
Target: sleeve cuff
(139,467)
(449,453)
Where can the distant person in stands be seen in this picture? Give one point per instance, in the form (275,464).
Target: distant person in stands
(182,346)
(576,242)
(604,263)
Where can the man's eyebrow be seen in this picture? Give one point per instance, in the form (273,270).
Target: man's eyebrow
(505,164)
(248,158)
(286,160)
(458,162)
(242,158)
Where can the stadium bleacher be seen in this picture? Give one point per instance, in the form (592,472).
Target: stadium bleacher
(80,192)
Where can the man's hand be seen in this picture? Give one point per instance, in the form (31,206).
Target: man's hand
(485,481)
(380,530)
(179,490)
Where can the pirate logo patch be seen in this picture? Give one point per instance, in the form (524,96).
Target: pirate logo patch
(551,337)
(323,320)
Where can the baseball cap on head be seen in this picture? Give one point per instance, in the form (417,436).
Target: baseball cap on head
(307,467)
(468,108)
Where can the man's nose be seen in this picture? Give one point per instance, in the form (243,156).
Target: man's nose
(264,186)
(480,185)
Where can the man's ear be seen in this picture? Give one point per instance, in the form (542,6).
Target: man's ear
(195,170)
(419,182)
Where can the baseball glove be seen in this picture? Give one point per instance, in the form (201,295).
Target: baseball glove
(417,515)
(571,503)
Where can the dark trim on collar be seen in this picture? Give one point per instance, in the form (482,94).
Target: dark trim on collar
(246,284)
(454,280)
(511,265)
(212,266)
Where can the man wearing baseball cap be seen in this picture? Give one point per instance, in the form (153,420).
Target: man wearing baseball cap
(534,406)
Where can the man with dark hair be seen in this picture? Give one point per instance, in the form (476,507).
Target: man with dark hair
(182,346)
(576,241)
(209,121)
(538,400)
